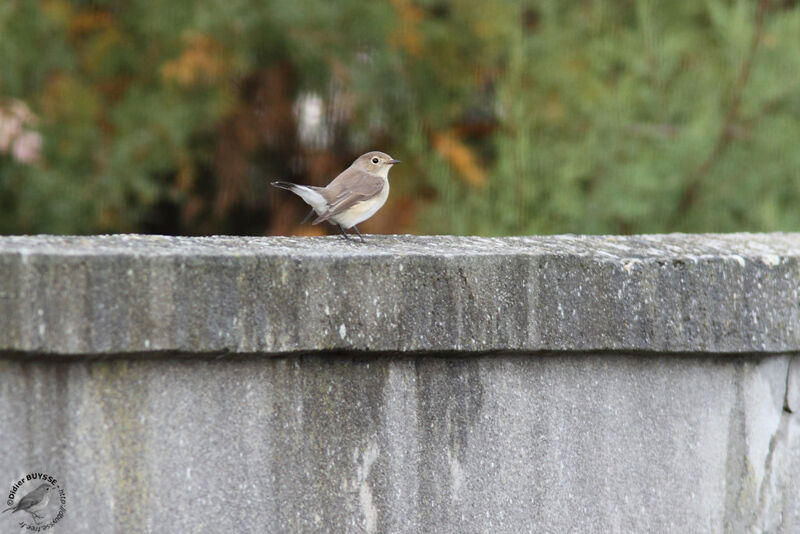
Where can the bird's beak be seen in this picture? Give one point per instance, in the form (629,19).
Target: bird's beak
(393,161)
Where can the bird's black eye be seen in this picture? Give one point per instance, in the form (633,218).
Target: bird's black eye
(374,160)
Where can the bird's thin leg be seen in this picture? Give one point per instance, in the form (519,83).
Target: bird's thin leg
(359,233)
(343,232)
(307,217)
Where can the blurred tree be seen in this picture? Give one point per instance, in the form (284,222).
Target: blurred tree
(510,117)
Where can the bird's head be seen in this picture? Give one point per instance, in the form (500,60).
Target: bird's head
(375,163)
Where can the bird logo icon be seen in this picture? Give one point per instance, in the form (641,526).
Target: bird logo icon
(33,502)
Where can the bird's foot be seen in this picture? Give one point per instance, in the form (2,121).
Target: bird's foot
(359,233)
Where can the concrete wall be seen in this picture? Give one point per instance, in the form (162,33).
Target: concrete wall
(411,384)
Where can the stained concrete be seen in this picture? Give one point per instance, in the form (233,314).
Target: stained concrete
(496,443)
(734,293)
(412,384)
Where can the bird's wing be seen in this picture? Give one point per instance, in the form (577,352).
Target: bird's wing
(348,189)
(27,501)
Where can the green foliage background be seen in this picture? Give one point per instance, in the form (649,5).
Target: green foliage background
(512,117)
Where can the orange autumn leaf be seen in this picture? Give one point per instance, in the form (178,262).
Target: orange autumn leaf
(407,35)
(460,157)
(201,61)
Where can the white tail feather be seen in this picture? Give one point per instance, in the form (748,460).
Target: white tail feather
(311,197)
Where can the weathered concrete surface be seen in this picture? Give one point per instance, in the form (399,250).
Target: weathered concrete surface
(592,443)
(412,384)
(735,293)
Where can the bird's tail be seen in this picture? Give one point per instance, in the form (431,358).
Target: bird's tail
(309,194)
(284,185)
(6,510)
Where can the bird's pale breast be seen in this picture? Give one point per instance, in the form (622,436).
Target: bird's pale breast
(363,210)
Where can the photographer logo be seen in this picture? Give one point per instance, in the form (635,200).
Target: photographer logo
(40,497)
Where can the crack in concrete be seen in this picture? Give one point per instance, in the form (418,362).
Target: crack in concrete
(765,496)
(786,402)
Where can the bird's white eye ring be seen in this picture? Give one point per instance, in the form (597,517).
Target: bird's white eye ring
(374,160)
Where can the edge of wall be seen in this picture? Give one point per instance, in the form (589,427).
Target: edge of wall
(676,293)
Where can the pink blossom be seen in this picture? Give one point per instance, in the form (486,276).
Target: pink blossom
(27,147)
(10,128)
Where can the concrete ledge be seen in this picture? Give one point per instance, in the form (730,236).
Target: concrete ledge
(737,293)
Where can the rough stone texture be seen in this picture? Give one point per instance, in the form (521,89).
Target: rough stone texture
(735,293)
(412,384)
(503,443)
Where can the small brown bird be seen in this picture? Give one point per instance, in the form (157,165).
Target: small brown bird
(352,197)
(33,502)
